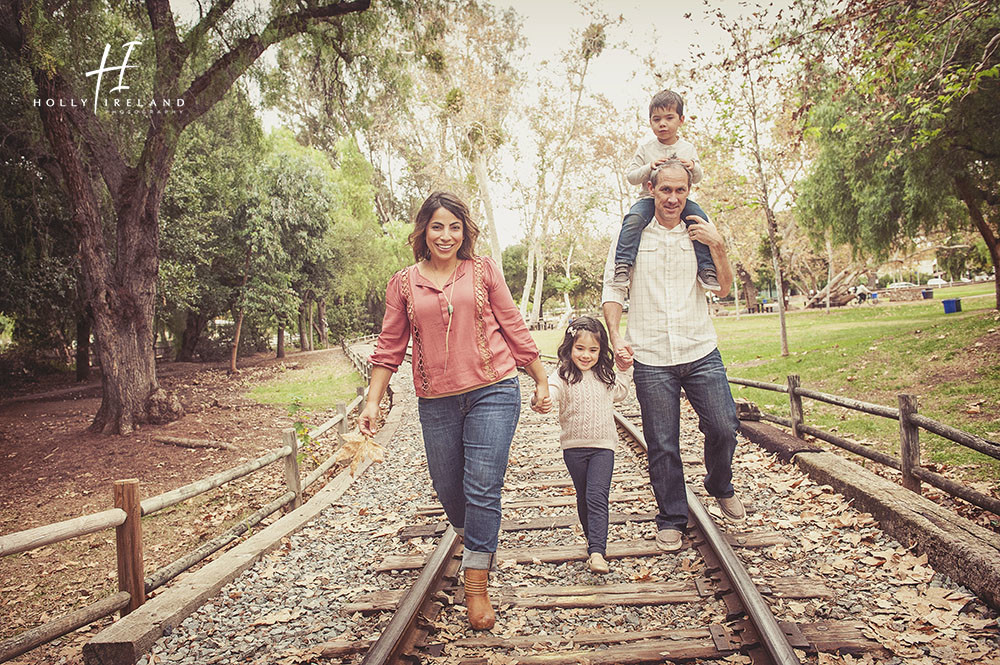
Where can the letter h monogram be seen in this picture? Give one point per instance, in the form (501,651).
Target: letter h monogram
(121,70)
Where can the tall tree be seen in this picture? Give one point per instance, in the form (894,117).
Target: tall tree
(756,106)
(119,281)
(201,256)
(555,127)
(907,123)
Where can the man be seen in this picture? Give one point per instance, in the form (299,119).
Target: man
(673,344)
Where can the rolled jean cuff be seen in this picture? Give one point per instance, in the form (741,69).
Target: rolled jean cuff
(479,560)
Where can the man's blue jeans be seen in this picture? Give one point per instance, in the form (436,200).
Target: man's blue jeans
(467,438)
(638,218)
(658,390)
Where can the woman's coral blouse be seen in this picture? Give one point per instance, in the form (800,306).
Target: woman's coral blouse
(487,340)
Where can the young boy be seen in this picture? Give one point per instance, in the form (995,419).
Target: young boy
(666,115)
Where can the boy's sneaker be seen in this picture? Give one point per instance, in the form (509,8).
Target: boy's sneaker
(732,508)
(597,564)
(668,540)
(708,280)
(622,271)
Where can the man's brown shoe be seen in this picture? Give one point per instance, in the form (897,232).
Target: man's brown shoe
(668,540)
(477,599)
(732,508)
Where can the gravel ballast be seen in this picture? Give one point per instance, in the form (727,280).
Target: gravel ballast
(291,601)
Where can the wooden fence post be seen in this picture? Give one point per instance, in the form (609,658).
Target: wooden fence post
(909,442)
(128,544)
(292,466)
(795,404)
(342,425)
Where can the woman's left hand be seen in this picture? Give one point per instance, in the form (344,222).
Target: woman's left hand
(541,402)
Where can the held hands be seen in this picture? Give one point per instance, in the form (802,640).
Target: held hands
(623,352)
(704,232)
(368,420)
(540,401)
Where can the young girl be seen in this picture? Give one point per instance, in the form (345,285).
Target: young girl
(585,387)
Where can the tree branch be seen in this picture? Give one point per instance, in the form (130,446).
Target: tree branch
(170,53)
(207,22)
(208,88)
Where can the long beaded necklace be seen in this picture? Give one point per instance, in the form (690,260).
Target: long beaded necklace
(451,310)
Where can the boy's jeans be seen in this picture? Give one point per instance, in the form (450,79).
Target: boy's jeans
(638,218)
(658,390)
(467,438)
(591,469)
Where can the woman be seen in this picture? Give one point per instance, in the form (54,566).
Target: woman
(468,340)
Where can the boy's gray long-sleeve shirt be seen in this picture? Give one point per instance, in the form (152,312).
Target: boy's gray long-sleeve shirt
(638,169)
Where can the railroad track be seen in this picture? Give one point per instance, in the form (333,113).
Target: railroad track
(700,603)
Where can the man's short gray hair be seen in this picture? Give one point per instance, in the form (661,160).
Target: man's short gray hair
(670,164)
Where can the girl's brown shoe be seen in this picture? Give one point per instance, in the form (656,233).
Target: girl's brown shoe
(477,599)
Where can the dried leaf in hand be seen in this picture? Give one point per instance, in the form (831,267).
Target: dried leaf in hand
(358,448)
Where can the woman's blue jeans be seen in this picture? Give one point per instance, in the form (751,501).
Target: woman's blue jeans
(467,438)
(658,390)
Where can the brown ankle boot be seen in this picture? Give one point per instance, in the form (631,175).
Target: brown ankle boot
(477,599)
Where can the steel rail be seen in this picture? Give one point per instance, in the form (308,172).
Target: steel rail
(759,613)
(393,639)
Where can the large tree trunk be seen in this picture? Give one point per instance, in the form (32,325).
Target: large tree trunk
(536,303)
(309,316)
(235,350)
(322,328)
(194,326)
(972,197)
(529,276)
(281,341)
(749,288)
(303,328)
(83,347)
(482,179)
(829,267)
(120,285)
(567,306)
(772,236)
(122,295)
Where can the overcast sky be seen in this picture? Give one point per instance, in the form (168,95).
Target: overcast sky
(649,26)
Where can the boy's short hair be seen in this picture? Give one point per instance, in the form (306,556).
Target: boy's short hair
(667,99)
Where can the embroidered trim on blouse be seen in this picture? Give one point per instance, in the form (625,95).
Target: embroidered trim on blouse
(418,347)
(479,290)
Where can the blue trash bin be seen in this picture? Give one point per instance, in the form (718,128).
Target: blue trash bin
(927,293)
(951,305)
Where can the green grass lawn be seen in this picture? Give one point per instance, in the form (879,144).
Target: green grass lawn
(315,387)
(873,353)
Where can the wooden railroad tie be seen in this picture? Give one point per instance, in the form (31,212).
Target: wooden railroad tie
(579,553)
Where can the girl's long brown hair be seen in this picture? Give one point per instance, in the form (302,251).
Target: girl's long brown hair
(605,366)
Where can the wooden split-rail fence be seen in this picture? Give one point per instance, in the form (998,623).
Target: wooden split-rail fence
(126,518)
(910,424)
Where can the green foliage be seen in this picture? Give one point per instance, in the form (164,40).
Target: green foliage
(202,257)
(905,127)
